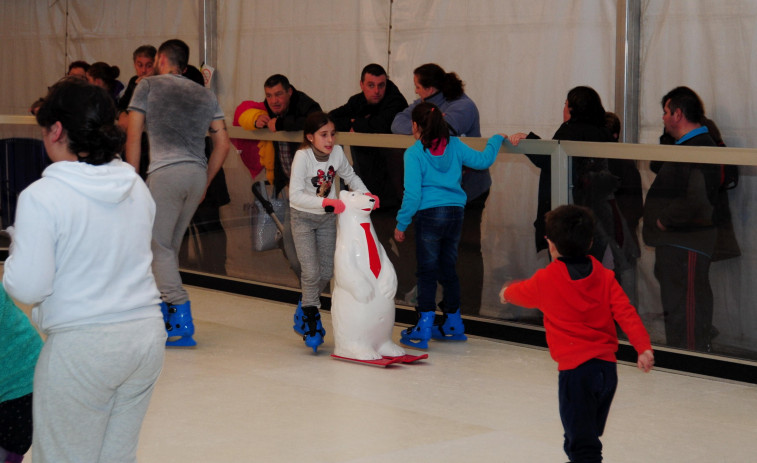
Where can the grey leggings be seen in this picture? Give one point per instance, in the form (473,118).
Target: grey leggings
(315,240)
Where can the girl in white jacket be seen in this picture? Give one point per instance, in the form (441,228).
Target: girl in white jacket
(312,190)
(81,255)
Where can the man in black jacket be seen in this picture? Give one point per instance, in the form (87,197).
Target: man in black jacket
(680,221)
(287,109)
(372,111)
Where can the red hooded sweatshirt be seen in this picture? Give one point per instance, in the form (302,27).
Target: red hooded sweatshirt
(579,314)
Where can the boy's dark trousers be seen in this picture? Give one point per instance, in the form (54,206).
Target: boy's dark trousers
(586,393)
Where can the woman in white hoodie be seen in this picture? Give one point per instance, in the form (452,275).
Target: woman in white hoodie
(81,255)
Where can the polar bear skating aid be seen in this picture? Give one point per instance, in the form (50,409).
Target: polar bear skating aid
(362,303)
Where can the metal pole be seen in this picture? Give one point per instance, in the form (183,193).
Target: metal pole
(209,33)
(561,175)
(627,64)
(389,40)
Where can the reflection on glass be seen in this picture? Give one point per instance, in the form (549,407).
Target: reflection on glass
(497,246)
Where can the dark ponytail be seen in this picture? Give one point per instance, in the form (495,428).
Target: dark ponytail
(87,114)
(432,75)
(431,124)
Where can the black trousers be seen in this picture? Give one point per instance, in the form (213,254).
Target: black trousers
(586,393)
(16,424)
(686,295)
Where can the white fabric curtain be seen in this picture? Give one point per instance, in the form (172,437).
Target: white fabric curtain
(40,38)
(518,59)
(320,46)
(32,50)
(111,30)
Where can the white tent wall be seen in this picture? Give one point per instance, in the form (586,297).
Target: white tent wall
(320,46)
(32,50)
(518,60)
(40,38)
(710,46)
(111,30)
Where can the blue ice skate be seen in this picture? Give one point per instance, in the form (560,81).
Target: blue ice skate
(449,327)
(313,337)
(418,335)
(180,325)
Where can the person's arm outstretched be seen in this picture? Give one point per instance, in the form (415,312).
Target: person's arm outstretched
(482,159)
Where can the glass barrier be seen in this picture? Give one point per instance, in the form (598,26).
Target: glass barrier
(690,281)
(499,242)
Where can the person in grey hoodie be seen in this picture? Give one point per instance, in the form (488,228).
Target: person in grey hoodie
(91,285)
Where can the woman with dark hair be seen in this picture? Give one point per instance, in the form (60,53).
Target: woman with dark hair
(105,76)
(583,120)
(445,90)
(311,191)
(91,285)
(584,106)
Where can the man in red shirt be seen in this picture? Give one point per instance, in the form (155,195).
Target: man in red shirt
(581,301)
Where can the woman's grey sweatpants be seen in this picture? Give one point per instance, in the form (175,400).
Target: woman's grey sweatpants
(177,190)
(315,240)
(92,385)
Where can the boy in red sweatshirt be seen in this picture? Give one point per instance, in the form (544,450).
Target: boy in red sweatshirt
(581,300)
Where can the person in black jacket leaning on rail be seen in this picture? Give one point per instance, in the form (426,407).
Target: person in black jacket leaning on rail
(372,111)
(287,110)
(681,214)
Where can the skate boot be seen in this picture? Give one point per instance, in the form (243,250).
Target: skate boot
(449,326)
(313,337)
(180,325)
(300,325)
(418,335)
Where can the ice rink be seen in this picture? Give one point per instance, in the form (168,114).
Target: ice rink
(251,391)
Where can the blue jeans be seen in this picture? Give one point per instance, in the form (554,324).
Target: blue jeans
(586,393)
(437,235)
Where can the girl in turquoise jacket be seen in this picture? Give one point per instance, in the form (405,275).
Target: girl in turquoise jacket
(434,196)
